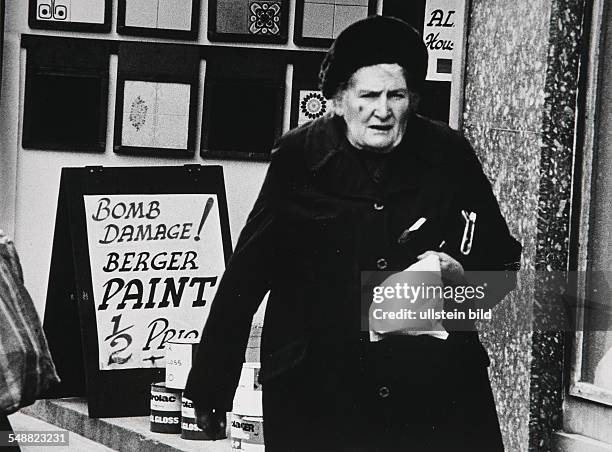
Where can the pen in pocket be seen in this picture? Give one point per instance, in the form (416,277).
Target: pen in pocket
(403,238)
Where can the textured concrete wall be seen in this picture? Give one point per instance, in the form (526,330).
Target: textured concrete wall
(520,99)
(504,100)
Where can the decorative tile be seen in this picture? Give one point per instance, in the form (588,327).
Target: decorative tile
(155,114)
(173,99)
(174,14)
(138,128)
(318,20)
(87,11)
(139,111)
(232,16)
(347,15)
(53,10)
(171,132)
(44,10)
(61,10)
(264,17)
(312,105)
(141,13)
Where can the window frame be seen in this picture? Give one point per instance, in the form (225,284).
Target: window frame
(592,97)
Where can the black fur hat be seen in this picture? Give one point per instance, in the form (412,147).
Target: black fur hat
(371,41)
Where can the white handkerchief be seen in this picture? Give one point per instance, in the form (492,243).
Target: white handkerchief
(418,290)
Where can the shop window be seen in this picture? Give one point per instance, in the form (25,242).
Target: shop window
(319,22)
(66,95)
(156,99)
(248,20)
(592,371)
(587,405)
(244,104)
(162,18)
(79,15)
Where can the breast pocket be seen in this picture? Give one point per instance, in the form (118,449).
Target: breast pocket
(421,222)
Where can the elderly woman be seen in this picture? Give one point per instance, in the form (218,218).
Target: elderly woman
(373,186)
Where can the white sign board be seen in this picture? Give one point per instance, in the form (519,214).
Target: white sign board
(443,36)
(156,261)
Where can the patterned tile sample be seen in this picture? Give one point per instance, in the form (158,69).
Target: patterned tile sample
(141,13)
(75,11)
(264,17)
(155,115)
(345,15)
(312,105)
(327,18)
(233,16)
(174,14)
(159,14)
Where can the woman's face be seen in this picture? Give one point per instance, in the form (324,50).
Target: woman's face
(375,106)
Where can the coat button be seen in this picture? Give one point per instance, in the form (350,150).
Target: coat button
(384,392)
(382,263)
(378,206)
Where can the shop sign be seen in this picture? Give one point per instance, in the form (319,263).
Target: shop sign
(443,36)
(156,261)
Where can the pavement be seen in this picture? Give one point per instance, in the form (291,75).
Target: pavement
(76,443)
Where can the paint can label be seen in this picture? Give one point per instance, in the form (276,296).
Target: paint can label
(247,433)
(179,358)
(165,409)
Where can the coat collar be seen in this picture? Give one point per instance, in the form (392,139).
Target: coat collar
(411,164)
(326,139)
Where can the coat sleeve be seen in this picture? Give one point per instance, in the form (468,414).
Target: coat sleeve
(247,278)
(495,255)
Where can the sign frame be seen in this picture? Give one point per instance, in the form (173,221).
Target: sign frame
(122,392)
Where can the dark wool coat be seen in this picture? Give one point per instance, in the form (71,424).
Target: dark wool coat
(320,219)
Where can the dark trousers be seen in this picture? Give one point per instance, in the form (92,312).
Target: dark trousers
(404,394)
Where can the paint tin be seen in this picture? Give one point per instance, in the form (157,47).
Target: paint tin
(189,428)
(165,409)
(247,433)
(179,357)
(246,430)
(249,377)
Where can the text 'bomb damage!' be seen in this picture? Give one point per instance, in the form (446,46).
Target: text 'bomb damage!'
(114,233)
(122,210)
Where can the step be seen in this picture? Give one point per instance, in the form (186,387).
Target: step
(130,434)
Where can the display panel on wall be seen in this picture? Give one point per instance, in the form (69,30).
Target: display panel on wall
(78,15)
(159,18)
(156,104)
(66,95)
(243,104)
(248,20)
(307,101)
(319,22)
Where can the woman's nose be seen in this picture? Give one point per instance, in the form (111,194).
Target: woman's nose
(382,109)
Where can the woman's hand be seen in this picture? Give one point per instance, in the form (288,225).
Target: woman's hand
(451,270)
(212,422)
